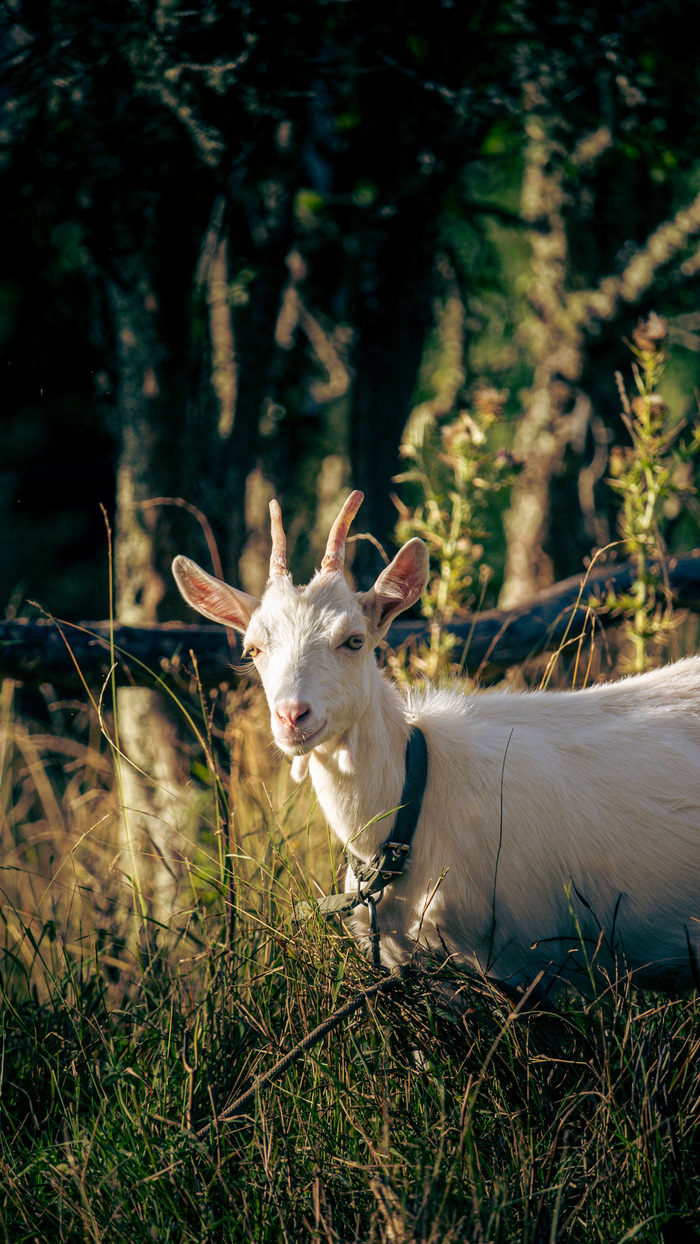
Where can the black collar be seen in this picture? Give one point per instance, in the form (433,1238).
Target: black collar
(388,862)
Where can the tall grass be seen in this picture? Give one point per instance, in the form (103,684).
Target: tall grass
(416,1120)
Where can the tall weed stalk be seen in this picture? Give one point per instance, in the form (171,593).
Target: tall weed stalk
(652,477)
(458,473)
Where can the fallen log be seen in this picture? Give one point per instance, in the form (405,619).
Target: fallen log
(47,651)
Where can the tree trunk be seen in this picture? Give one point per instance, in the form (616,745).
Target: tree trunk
(259,229)
(156,824)
(392,318)
(543,430)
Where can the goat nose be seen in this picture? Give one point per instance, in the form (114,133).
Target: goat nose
(292,712)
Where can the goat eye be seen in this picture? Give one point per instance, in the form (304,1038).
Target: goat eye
(354,642)
(252,651)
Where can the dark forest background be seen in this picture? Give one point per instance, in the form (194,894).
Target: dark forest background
(242,248)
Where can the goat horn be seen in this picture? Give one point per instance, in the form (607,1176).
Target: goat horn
(278,556)
(335,549)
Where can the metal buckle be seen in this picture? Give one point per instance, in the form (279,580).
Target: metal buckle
(397,847)
(392,858)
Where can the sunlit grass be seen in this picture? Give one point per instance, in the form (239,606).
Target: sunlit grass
(415,1120)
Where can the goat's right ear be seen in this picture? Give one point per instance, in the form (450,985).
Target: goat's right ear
(397,587)
(212,597)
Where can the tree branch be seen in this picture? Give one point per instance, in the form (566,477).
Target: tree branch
(661,247)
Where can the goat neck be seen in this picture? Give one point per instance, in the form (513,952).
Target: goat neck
(353,796)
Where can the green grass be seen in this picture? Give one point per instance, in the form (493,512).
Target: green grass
(412,1121)
(408,1123)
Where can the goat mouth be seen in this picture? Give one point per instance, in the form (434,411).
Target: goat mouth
(299,742)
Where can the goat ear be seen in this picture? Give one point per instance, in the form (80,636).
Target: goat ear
(212,597)
(398,586)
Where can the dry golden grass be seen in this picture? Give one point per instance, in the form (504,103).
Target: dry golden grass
(122,1035)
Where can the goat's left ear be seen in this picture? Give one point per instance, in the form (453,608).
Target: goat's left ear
(397,587)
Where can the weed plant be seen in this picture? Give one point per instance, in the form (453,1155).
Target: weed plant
(453,463)
(653,476)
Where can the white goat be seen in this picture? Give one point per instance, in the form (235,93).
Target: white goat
(552,821)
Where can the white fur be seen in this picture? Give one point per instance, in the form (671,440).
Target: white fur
(541,809)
